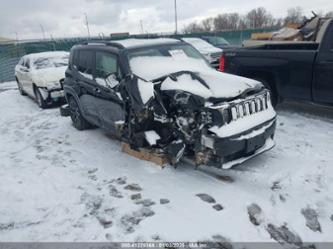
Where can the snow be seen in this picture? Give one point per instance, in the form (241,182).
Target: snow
(60,184)
(48,77)
(152,137)
(50,68)
(202,46)
(146,90)
(186,83)
(222,85)
(51,54)
(128,43)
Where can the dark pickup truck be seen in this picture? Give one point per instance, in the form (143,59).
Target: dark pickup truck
(291,70)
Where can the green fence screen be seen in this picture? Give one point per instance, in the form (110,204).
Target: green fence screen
(11,53)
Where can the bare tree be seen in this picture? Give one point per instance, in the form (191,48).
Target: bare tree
(259,18)
(208,24)
(193,27)
(227,22)
(294,15)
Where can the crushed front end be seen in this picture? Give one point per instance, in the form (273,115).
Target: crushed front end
(248,127)
(181,124)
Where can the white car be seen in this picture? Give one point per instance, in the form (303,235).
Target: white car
(211,53)
(38,75)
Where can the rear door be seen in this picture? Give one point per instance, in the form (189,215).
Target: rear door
(323,70)
(88,90)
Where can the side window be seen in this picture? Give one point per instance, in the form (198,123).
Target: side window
(106,64)
(73,60)
(85,62)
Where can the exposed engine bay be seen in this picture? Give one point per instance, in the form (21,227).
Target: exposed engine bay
(178,123)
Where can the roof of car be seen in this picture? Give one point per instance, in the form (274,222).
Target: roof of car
(133,42)
(130,43)
(46,54)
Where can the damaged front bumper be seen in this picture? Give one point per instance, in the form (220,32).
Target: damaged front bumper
(227,152)
(53,95)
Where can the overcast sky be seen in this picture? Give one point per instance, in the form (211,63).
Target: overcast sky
(65,18)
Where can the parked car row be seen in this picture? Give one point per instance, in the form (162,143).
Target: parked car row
(163,95)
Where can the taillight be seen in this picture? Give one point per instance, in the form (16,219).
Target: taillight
(222,64)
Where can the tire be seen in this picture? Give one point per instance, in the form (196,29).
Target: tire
(78,120)
(39,99)
(19,86)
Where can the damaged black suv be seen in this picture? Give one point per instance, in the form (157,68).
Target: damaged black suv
(162,95)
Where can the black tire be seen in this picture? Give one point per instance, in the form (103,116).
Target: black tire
(19,86)
(78,120)
(39,99)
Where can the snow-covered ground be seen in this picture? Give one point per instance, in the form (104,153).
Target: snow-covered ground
(60,184)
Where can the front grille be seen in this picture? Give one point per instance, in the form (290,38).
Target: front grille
(240,109)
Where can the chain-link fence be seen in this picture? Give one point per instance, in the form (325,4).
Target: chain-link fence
(10,53)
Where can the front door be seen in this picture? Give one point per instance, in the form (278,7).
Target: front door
(26,79)
(109,105)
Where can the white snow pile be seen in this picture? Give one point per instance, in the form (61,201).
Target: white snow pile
(146,90)
(60,184)
(144,42)
(222,85)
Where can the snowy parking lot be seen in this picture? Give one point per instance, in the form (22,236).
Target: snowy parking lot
(60,184)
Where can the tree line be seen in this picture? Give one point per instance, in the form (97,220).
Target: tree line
(255,18)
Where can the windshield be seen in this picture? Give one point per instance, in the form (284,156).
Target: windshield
(154,62)
(49,62)
(202,45)
(215,40)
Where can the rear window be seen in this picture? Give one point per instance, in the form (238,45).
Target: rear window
(49,62)
(85,61)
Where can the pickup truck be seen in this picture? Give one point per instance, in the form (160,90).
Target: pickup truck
(291,70)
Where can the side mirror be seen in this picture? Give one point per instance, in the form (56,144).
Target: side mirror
(111,80)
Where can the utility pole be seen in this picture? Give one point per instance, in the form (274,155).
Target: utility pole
(43,31)
(87,24)
(176,18)
(141,26)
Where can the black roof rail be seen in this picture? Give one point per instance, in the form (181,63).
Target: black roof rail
(105,42)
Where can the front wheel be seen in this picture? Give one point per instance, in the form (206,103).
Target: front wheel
(39,98)
(78,120)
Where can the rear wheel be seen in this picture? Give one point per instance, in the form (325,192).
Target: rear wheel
(39,99)
(78,120)
(19,86)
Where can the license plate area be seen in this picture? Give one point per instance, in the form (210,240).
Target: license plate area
(254,143)
(57,94)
